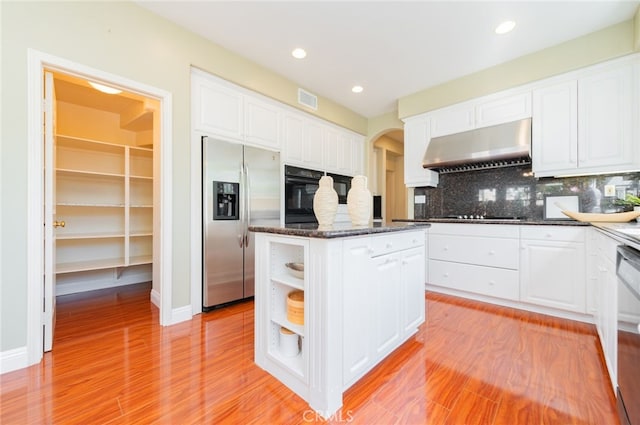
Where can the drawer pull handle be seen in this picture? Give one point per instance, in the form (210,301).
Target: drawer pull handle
(549,235)
(389,245)
(492,252)
(492,283)
(445,274)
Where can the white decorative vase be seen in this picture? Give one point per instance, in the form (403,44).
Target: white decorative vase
(637,209)
(325,202)
(359,201)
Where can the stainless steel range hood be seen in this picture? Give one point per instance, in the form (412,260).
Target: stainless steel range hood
(490,147)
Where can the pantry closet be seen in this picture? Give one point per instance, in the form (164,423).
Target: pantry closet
(103,186)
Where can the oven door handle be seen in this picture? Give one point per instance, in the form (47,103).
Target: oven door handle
(289,180)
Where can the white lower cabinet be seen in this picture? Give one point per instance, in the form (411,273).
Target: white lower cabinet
(607,300)
(553,267)
(476,258)
(363,297)
(383,297)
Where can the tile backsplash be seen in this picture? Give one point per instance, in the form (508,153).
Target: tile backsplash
(514,192)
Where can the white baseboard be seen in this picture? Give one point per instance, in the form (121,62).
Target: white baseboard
(15,359)
(155,298)
(178,315)
(181,314)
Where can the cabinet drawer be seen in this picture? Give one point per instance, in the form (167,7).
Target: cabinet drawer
(490,252)
(553,233)
(475,229)
(499,283)
(392,242)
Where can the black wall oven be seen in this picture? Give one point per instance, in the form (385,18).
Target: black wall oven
(300,185)
(341,184)
(628,271)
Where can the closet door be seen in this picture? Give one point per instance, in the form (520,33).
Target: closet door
(50,223)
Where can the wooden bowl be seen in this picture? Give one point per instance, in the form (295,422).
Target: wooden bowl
(622,217)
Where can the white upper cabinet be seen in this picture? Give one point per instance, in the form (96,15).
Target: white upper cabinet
(262,123)
(554,130)
(490,110)
(417,133)
(453,119)
(218,109)
(331,149)
(606,107)
(589,122)
(293,135)
(357,152)
(228,112)
(312,145)
(503,109)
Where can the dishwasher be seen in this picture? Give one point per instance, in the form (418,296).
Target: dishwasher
(628,272)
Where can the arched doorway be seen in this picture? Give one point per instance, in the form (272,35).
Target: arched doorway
(388,173)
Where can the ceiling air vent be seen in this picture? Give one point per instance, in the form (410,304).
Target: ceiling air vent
(307,99)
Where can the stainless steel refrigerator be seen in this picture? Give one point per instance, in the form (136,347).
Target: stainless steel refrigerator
(240,186)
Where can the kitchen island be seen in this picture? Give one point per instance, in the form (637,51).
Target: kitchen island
(363,297)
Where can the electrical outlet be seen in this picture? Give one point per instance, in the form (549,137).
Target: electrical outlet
(609,190)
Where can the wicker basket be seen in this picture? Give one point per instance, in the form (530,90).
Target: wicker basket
(295,307)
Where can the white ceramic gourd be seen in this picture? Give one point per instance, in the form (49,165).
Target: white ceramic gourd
(359,201)
(325,202)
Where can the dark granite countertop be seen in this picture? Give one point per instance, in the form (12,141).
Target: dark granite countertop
(338,230)
(525,221)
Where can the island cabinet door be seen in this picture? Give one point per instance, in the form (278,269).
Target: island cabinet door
(385,292)
(413,286)
(358,316)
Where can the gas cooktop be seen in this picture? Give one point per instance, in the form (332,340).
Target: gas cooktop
(478,217)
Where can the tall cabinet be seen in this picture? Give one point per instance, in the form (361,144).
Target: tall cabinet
(103,192)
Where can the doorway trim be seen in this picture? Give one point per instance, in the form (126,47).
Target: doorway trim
(36,63)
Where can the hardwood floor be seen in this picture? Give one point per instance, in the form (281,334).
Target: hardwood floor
(470,363)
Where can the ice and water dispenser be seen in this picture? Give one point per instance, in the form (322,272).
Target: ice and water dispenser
(226,200)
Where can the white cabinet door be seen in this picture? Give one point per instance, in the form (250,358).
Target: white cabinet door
(387,303)
(416,138)
(413,281)
(605,119)
(312,147)
(454,119)
(552,274)
(503,109)
(554,135)
(606,317)
(358,313)
(293,139)
(358,152)
(218,109)
(331,150)
(262,123)
(345,154)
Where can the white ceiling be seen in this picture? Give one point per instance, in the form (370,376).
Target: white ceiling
(391,48)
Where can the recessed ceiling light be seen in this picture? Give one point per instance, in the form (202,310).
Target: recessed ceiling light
(299,53)
(505,27)
(104,89)
(357,89)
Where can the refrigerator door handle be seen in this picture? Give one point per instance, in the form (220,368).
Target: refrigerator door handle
(241,224)
(248,205)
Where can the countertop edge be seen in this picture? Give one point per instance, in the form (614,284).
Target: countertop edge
(339,232)
(496,221)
